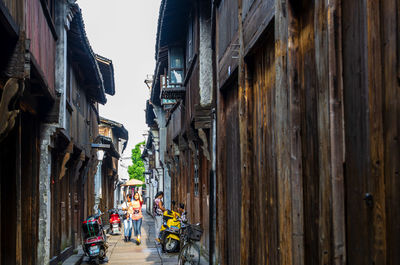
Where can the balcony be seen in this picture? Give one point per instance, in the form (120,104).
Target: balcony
(171,92)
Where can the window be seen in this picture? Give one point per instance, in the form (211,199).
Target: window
(189,42)
(176,66)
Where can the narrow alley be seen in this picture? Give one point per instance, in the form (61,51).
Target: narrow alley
(129,253)
(240,132)
(121,252)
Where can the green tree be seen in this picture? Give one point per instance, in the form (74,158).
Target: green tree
(136,170)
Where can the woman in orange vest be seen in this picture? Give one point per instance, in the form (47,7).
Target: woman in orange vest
(137,216)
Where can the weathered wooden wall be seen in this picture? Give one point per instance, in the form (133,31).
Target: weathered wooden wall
(260,124)
(42,42)
(182,135)
(83,121)
(8,171)
(231,174)
(16,10)
(29,189)
(73,169)
(318,108)
(19,194)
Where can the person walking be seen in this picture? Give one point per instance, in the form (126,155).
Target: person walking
(128,209)
(158,209)
(137,216)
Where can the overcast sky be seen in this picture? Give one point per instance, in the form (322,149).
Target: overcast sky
(125,32)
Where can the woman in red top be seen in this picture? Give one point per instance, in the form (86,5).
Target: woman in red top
(137,215)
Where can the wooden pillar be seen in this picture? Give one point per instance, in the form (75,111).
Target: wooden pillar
(337,146)
(282,134)
(1,208)
(245,161)
(322,95)
(294,112)
(390,20)
(376,184)
(18,246)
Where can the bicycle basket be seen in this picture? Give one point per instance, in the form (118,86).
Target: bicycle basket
(194,232)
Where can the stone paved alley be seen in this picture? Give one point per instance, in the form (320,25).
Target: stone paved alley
(120,252)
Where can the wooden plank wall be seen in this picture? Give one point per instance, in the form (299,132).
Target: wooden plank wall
(8,170)
(181,126)
(371,104)
(30,183)
(73,194)
(263,185)
(16,9)
(319,108)
(228,176)
(43,44)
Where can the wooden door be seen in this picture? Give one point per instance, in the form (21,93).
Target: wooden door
(263,184)
(232,175)
(30,153)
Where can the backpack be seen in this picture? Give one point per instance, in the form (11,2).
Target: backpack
(156,210)
(155,207)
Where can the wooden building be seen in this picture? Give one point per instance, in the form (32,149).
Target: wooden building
(307,131)
(114,137)
(27,57)
(307,109)
(148,156)
(89,78)
(181,97)
(48,121)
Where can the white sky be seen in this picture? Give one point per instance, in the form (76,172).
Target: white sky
(125,32)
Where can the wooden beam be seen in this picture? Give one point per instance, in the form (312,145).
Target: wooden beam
(390,26)
(8,21)
(334,39)
(376,185)
(18,195)
(245,162)
(49,19)
(282,134)
(324,182)
(296,167)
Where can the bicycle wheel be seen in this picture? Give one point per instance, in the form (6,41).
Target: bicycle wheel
(189,255)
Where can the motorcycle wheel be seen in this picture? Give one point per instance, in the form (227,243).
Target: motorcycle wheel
(171,245)
(102,254)
(96,261)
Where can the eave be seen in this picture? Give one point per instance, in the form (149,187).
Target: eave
(119,128)
(82,56)
(107,71)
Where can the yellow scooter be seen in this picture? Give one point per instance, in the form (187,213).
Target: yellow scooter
(169,232)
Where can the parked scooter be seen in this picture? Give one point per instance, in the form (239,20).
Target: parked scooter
(170,230)
(94,239)
(115,222)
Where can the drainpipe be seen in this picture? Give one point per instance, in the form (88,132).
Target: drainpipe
(213,175)
(213,191)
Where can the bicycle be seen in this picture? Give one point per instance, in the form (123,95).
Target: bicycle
(190,252)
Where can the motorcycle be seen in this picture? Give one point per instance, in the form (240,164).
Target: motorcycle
(170,231)
(94,239)
(115,222)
